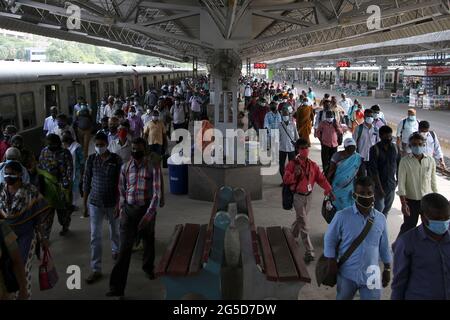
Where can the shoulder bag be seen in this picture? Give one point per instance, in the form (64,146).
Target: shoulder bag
(323,274)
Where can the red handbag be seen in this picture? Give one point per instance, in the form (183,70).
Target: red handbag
(48,277)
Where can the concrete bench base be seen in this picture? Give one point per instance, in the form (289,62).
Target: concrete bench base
(205,180)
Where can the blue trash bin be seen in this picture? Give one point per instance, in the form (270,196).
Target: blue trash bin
(178,177)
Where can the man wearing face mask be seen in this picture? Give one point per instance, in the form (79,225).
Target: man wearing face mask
(272,119)
(421,255)
(50,122)
(378,117)
(101,201)
(178,112)
(347,225)
(327,133)
(432,143)
(5,142)
(383,169)
(63,125)
(136,124)
(155,134)
(366,136)
(113,124)
(302,174)
(141,191)
(416,178)
(288,136)
(404,129)
(56,171)
(147,116)
(122,146)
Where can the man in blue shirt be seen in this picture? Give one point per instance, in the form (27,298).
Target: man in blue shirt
(422,255)
(360,272)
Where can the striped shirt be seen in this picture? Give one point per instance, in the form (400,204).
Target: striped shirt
(140,184)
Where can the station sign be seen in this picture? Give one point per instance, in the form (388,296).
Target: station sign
(343,64)
(260,65)
(438,70)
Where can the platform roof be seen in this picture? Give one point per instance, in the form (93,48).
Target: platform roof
(279,29)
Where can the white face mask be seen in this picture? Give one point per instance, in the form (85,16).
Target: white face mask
(149,111)
(155,118)
(132,114)
(330,120)
(369,120)
(101,150)
(285,118)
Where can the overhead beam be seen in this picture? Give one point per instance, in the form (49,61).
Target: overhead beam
(334,23)
(169,6)
(281,18)
(231,15)
(170,18)
(285,7)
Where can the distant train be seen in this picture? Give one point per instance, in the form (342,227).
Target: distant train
(29,89)
(359,76)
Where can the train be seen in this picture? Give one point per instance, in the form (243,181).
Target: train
(29,89)
(358,76)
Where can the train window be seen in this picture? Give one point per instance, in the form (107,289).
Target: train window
(8,109)
(111,88)
(27,108)
(389,78)
(364,76)
(106,89)
(354,75)
(375,77)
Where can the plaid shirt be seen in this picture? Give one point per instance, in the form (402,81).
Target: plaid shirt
(101,179)
(59,164)
(140,184)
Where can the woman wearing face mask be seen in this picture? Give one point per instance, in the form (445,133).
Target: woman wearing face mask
(25,210)
(55,170)
(345,166)
(288,136)
(327,133)
(302,174)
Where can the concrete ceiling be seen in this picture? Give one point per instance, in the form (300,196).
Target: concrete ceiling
(174,29)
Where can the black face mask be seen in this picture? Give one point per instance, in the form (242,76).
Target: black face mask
(53,148)
(11,180)
(113,129)
(363,201)
(138,155)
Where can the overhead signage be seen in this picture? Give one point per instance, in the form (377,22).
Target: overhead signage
(343,64)
(260,66)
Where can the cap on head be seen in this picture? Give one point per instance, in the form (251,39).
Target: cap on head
(12,154)
(349,142)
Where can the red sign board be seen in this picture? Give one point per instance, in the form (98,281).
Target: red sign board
(343,64)
(260,66)
(438,71)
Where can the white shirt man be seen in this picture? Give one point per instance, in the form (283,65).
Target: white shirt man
(123,151)
(248,91)
(346,104)
(108,111)
(50,124)
(178,112)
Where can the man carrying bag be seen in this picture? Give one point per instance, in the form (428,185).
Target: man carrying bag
(355,242)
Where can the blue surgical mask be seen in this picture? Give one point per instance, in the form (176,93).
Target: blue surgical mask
(412,118)
(369,120)
(438,227)
(418,150)
(101,150)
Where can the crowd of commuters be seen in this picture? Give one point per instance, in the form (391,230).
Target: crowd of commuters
(112,160)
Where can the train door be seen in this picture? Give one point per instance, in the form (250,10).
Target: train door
(155,81)
(358,79)
(120,86)
(94,92)
(395,80)
(51,98)
(145,84)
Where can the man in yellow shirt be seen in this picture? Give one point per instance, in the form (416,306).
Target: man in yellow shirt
(416,178)
(155,134)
